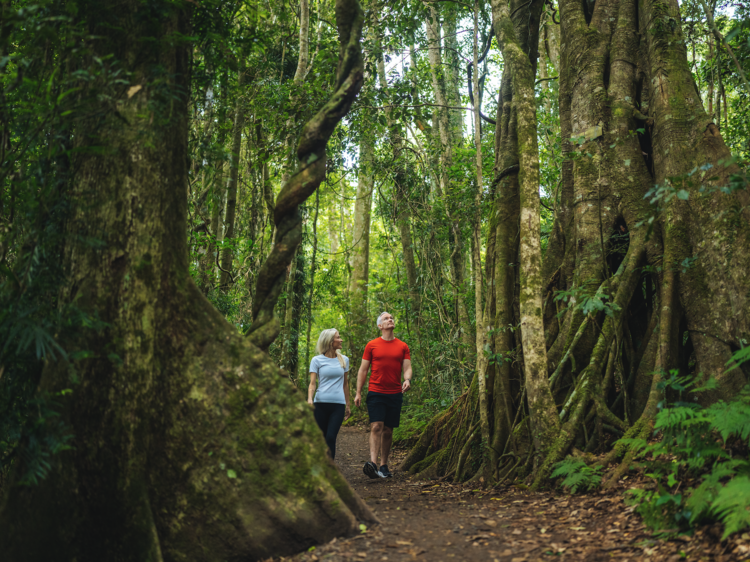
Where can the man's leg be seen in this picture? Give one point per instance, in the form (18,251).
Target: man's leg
(385,444)
(376,434)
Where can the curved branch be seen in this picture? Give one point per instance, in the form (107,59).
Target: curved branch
(311,156)
(469,71)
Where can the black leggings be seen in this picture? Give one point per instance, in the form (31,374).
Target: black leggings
(330,417)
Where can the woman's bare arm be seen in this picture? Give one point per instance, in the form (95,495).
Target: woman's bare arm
(311,388)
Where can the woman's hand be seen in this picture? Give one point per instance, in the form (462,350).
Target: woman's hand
(310,401)
(347,412)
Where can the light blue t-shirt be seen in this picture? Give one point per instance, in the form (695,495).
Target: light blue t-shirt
(330,378)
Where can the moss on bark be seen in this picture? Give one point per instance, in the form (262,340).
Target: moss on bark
(189,443)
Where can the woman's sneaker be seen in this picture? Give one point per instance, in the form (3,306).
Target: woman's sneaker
(371,470)
(384,472)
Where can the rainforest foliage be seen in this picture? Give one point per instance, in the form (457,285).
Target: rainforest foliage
(551,198)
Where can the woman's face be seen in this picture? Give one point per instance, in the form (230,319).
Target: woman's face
(337,343)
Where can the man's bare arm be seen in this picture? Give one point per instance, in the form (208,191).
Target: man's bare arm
(361,376)
(406,368)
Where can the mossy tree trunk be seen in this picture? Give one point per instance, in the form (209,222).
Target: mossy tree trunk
(295,301)
(642,299)
(188,444)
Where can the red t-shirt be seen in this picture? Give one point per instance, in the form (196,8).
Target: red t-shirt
(386,359)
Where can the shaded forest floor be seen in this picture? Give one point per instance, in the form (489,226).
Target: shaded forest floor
(432,521)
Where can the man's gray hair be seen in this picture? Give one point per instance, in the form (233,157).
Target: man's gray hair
(377,322)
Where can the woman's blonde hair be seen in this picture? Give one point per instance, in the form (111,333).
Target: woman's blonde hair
(325,342)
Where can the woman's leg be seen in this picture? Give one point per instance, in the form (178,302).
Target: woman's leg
(322,415)
(334,424)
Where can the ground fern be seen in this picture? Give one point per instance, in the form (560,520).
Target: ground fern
(699,466)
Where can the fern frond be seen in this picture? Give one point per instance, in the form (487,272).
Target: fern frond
(731,419)
(731,505)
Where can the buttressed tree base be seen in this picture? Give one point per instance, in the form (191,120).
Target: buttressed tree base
(189,444)
(641,230)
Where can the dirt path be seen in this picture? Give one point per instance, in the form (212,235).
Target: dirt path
(429,522)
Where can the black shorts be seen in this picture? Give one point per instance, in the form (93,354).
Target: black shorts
(385,408)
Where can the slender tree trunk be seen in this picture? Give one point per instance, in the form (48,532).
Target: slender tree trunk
(304,41)
(400,192)
(227,253)
(544,420)
(481,328)
(361,325)
(216,197)
(447,140)
(311,294)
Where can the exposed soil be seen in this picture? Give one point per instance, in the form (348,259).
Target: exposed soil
(431,521)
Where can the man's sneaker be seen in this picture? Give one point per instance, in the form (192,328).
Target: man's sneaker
(371,470)
(384,472)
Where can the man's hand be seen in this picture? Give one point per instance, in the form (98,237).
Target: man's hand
(358,400)
(406,385)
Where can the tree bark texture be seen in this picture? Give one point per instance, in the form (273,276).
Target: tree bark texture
(668,271)
(544,422)
(188,442)
(304,42)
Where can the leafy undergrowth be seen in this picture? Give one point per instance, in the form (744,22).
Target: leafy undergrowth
(440,520)
(577,475)
(698,471)
(414,419)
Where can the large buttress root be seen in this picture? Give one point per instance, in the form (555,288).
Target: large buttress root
(188,443)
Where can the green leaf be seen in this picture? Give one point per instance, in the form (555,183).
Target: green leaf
(731,505)
(683,194)
(231,473)
(738,358)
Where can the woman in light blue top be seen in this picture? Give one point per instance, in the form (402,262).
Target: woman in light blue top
(331,401)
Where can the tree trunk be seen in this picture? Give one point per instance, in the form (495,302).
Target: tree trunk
(227,254)
(544,422)
(361,325)
(401,197)
(216,196)
(304,41)
(640,205)
(188,444)
(448,137)
(294,307)
(311,294)
(482,328)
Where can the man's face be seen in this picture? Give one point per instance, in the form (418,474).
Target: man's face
(387,322)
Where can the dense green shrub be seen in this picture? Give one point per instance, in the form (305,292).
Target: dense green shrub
(700,467)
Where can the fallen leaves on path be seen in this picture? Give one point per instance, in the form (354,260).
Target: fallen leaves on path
(455,522)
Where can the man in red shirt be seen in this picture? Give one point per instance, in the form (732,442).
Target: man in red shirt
(389,357)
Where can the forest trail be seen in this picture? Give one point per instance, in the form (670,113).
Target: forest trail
(431,521)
